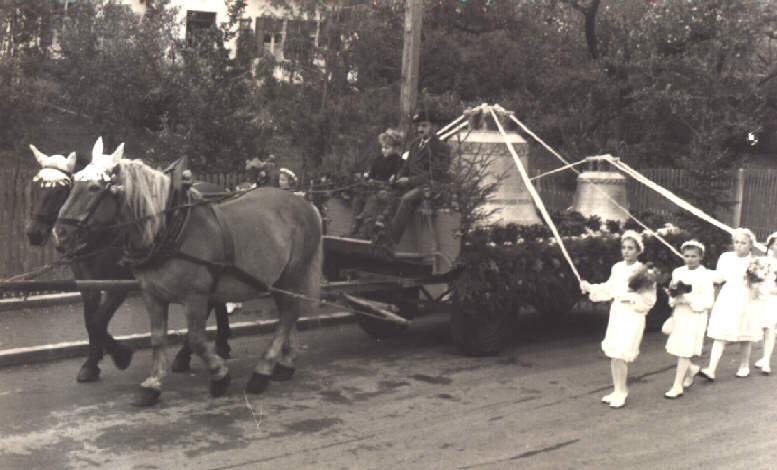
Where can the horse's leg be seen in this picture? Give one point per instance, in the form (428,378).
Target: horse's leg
(263,371)
(223,332)
(279,358)
(151,388)
(197,317)
(284,368)
(89,371)
(182,359)
(109,303)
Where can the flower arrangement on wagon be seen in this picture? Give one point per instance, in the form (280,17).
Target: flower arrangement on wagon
(509,267)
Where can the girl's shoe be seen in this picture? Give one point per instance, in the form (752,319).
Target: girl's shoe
(674,393)
(608,398)
(743,372)
(693,370)
(618,400)
(707,374)
(760,363)
(766,370)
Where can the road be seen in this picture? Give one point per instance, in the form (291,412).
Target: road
(412,402)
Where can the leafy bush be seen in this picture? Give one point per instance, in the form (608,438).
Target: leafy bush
(514,266)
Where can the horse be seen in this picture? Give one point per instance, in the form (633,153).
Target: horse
(262,240)
(51,187)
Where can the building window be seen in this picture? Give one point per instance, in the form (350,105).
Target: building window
(301,38)
(198,25)
(269,36)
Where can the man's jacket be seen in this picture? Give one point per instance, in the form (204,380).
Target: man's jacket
(429,161)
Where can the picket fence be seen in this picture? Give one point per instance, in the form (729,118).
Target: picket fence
(753,196)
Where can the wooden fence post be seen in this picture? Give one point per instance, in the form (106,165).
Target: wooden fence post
(739,190)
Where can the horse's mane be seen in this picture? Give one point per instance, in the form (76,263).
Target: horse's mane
(146,192)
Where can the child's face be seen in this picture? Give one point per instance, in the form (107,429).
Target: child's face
(283,181)
(692,257)
(629,250)
(387,150)
(741,245)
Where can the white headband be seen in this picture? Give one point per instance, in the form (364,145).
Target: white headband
(289,172)
(634,236)
(746,232)
(692,244)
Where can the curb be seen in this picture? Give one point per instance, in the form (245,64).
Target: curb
(36,301)
(51,352)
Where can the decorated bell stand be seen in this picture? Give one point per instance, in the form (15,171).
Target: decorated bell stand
(481,138)
(601,191)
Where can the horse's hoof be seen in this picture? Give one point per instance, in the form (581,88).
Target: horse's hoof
(146,396)
(181,362)
(258,383)
(219,387)
(88,373)
(223,350)
(122,356)
(281,373)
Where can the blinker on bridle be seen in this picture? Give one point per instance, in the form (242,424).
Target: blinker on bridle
(80,222)
(66,183)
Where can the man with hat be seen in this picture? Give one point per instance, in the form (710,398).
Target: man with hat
(427,162)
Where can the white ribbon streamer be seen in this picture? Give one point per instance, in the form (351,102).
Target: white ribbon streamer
(534,195)
(682,203)
(595,186)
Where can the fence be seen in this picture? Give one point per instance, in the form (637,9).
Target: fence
(755,190)
(751,199)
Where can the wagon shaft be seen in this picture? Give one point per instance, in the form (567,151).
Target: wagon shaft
(69,285)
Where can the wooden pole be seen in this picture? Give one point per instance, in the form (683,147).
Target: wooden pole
(739,193)
(411,54)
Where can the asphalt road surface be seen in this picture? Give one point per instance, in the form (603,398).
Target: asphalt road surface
(412,402)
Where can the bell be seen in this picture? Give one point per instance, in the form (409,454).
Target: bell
(597,188)
(512,200)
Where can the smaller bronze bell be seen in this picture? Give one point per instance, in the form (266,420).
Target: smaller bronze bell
(599,188)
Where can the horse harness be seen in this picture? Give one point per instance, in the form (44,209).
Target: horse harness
(167,244)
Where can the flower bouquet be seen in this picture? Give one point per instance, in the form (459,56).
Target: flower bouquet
(643,278)
(679,288)
(757,271)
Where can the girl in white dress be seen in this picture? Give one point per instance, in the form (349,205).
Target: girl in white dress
(629,307)
(734,317)
(689,314)
(769,305)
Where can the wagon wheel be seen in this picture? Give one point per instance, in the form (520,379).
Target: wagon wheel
(407,301)
(555,306)
(481,333)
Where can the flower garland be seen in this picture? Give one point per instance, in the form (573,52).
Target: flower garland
(513,266)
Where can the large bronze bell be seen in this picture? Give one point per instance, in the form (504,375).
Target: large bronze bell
(512,200)
(597,187)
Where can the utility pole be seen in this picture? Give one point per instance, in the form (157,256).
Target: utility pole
(411,54)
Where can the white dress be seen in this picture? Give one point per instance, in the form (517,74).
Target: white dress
(768,296)
(690,311)
(627,312)
(735,315)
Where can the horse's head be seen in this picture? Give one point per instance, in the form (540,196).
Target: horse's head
(50,187)
(92,206)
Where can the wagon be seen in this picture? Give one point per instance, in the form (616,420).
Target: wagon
(412,280)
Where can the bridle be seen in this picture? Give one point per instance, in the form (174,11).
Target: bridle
(50,218)
(80,222)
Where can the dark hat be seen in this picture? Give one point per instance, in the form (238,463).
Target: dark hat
(427,114)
